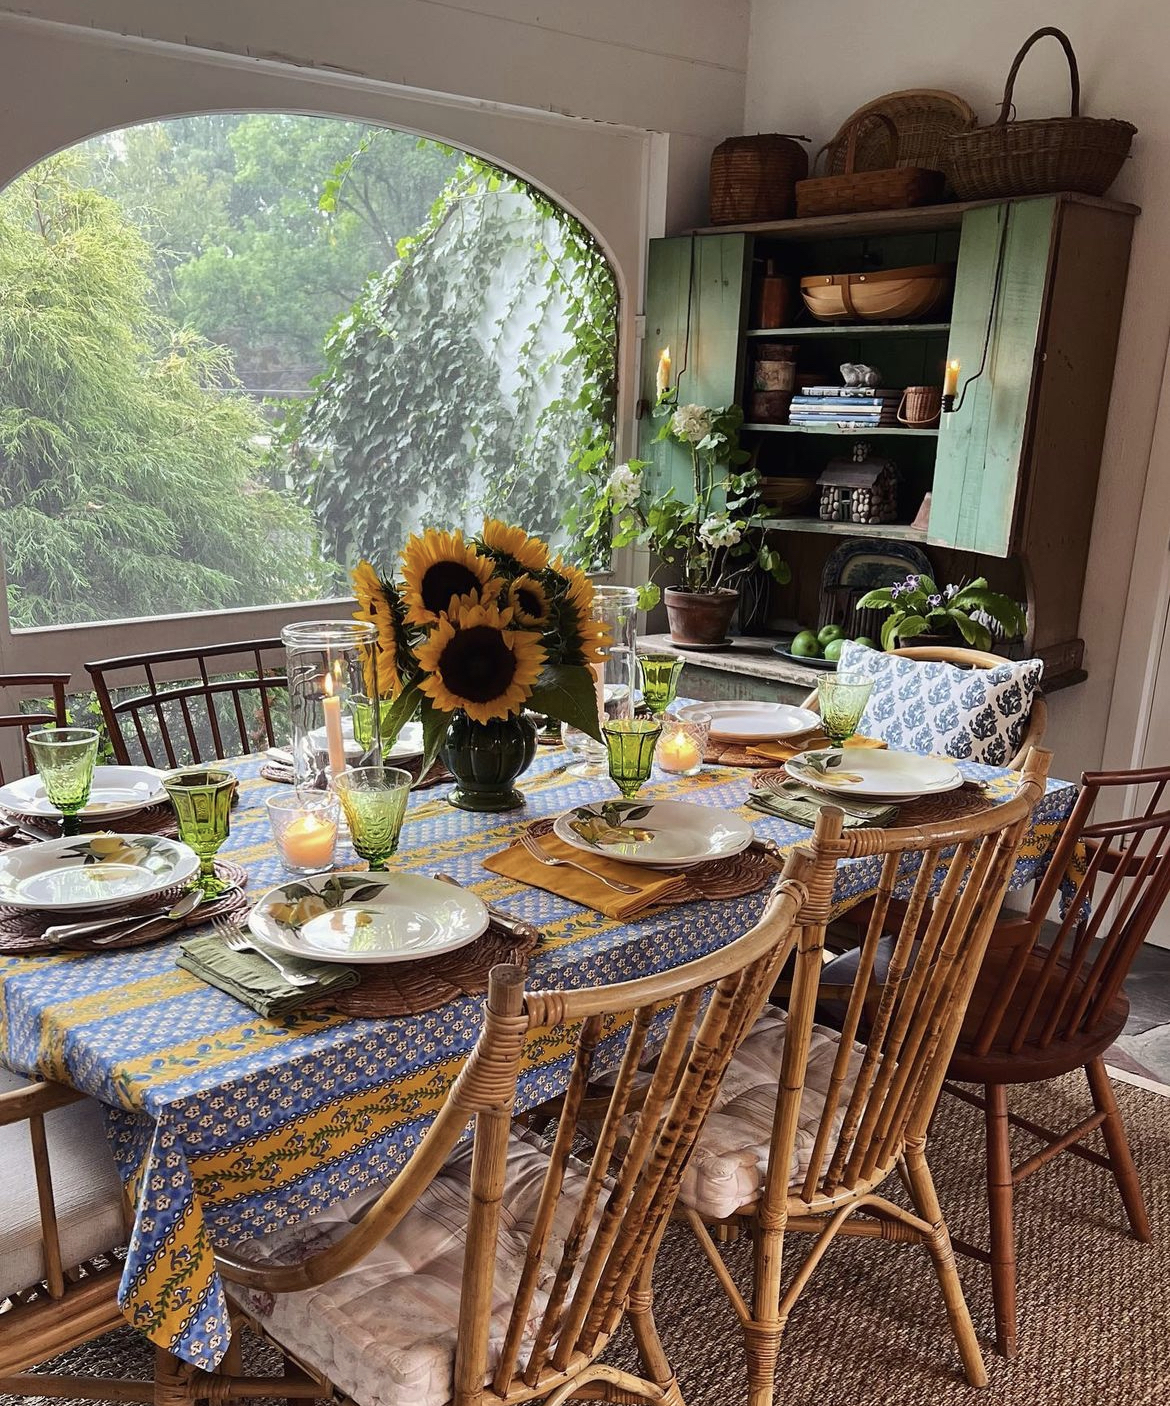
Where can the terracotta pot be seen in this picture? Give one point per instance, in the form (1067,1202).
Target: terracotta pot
(699,617)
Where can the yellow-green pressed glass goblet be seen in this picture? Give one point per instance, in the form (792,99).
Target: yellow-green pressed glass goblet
(64,758)
(374,800)
(630,743)
(660,675)
(843,698)
(202,798)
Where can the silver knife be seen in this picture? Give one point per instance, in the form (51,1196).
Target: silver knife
(517,926)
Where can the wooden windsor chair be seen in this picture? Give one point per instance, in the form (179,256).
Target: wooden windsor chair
(839,1112)
(1050,1002)
(964,658)
(36,685)
(500,1273)
(191,705)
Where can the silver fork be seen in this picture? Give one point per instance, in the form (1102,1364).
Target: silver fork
(534,848)
(235,940)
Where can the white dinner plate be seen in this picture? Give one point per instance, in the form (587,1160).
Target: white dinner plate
(744,721)
(408,743)
(80,872)
(357,918)
(670,833)
(116,791)
(873,774)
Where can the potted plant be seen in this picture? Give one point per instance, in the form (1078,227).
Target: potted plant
(472,635)
(711,539)
(920,610)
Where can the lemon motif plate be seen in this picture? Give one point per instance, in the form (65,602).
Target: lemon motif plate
(673,834)
(359,918)
(93,871)
(874,775)
(116,791)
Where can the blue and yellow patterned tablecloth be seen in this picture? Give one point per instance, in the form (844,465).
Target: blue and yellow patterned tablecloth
(226,1125)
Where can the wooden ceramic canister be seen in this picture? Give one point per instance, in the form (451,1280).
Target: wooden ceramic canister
(920,406)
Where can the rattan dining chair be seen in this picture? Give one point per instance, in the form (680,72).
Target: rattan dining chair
(36,685)
(61,1220)
(500,1273)
(176,707)
(824,1117)
(964,658)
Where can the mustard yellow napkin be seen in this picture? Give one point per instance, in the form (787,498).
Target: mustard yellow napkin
(653,885)
(784,751)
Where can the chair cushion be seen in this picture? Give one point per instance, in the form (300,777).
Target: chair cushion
(86,1191)
(727,1169)
(384,1332)
(978,715)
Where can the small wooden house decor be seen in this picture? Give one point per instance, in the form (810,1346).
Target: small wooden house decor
(863,489)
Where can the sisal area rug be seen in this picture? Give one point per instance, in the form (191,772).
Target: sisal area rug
(870,1329)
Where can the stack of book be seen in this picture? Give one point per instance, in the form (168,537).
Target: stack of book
(845,407)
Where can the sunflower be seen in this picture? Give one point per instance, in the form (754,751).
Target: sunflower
(379,601)
(582,636)
(529,602)
(513,546)
(473,661)
(437,569)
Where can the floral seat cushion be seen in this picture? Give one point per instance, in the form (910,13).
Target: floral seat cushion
(978,715)
(384,1332)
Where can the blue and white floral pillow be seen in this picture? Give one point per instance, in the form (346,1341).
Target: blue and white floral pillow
(978,715)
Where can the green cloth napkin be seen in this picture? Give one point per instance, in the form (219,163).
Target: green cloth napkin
(256,982)
(802,805)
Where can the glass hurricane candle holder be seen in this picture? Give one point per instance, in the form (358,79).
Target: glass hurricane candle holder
(374,801)
(333,691)
(202,798)
(683,744)
(617,609)
(64,758)
(630,743)
(842,698)
(660,676)
(304,826)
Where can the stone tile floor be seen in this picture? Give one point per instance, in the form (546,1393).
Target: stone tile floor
(1144,1046)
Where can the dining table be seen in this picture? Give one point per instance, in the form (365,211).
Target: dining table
(226,1125)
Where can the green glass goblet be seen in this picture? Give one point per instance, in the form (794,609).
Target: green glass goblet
(202,798)
(64,758)
(630,743)
(374,800)
(843,698)
(660,675)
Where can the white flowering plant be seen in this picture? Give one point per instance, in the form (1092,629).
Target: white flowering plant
(711,538)
(918,606)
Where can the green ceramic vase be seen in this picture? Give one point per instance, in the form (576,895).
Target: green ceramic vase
(486,758)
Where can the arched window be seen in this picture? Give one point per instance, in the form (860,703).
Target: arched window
(239,351)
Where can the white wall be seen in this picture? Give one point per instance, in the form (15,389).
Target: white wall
(811,64)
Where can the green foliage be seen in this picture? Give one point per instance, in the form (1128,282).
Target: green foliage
(129,478)
(918,606)
(474,375)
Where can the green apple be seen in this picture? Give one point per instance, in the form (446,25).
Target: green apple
(805,646)
(833,649)
(827,633)
(869,644)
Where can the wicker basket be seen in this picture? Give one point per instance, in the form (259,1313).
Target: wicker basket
(894,295)
(754,178)
(1046,154)
(924,117)
(893,187)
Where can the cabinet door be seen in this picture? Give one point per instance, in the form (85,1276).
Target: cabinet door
(708,276)
(982,447)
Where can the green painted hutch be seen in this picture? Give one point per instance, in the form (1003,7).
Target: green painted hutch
(1012,473)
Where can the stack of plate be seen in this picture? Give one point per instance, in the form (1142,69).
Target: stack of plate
(659,834)
(83,873)
(116,792)
(749,722)
(874,775)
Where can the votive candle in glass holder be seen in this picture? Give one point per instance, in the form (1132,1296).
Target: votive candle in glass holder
(683,744)
(304,826)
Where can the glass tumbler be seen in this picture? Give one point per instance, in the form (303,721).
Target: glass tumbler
(630,743)
(64,758)
(660,676)
(843,698)
(304,826)
(374,800)
(333,697)
(202,798)
(617,608)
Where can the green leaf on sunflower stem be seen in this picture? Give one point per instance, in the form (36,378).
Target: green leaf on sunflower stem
(400,712)
(434,725)
(568,692)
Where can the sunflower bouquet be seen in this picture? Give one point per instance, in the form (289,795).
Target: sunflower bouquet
(487,628)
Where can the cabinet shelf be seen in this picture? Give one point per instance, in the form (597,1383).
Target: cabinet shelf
(833,429)
(892,531)
(852,329)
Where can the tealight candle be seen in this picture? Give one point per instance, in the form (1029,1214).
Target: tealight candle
(681,747)
(305,826)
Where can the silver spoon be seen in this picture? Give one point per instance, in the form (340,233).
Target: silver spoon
(122,927)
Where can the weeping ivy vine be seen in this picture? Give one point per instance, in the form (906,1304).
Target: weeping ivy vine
(476,374)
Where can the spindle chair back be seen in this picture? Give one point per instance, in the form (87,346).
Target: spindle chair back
(177,707)
(36,685)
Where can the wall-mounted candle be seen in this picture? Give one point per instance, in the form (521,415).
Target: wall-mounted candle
(951,378)
(334,740)
(662,381)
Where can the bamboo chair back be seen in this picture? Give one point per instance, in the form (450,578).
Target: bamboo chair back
(951,878)
(191,705)
(37,684)
(572,1291)
(1073,978)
